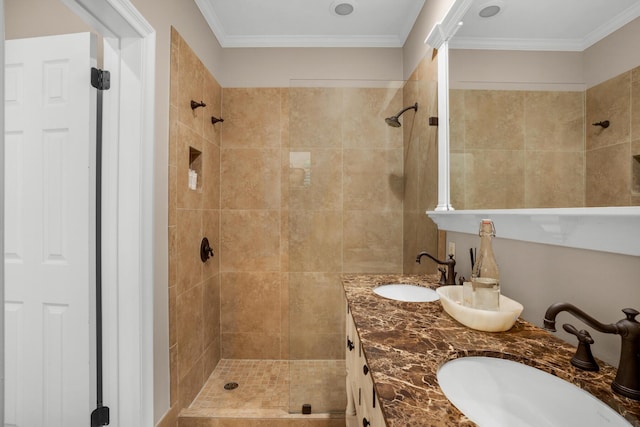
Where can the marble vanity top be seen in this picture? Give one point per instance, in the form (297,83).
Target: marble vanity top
(406,342)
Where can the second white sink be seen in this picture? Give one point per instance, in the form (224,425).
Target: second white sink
(404,292)
(503,393)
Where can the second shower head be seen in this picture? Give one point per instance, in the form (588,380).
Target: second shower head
(393,120)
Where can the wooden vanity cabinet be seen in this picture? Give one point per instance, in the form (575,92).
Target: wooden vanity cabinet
(361,392)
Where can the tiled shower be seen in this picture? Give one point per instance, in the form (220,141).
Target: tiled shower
(297,186)
(550,153)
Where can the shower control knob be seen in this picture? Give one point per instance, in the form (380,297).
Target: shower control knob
(350,345)
(205,250)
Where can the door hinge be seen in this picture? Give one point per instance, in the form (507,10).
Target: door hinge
(100,416)
(100,79)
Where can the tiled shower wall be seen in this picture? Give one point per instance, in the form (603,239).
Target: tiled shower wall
(194,290)
(286,234)
(516,149)
(613,174)
(421,168)
(525,149)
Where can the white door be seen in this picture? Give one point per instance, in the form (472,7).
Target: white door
(49,231)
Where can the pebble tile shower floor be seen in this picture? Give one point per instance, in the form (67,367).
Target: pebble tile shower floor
(262,397)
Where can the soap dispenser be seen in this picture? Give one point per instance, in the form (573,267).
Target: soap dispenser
(483,292)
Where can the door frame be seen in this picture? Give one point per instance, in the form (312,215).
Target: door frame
(127,228)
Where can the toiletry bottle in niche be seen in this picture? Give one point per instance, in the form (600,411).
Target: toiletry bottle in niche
(483,292)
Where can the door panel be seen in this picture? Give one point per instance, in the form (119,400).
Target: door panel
(49,230)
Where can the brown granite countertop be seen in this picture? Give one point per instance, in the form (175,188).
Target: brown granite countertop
(406,342)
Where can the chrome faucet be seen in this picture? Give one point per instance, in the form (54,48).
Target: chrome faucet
(450,263)
(627,380)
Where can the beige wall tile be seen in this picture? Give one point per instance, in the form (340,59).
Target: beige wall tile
(635,170)
(190,385)
(608,176)
(457,120)
(372,241)
(188,237)
(610,100)
(174,137)
(315,117)
(554,121)
(554,179)
(367,186)
(457,179)
(173,375)
(211,312)
(323,190)
(251,178)
(317,346)
(250,346)
(315,241)
(210,358)
(365,109)
(315,304)
(635,103)
(189,330)
(250,302)
(173,196)
(250,241)
(213,98)
(252,118)
(211,230)
(173,320)
(191,87)
(494,179)
(210,176)
(174,70)
(494,120)
(284,314)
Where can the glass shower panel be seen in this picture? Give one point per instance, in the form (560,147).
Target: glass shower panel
(344,216)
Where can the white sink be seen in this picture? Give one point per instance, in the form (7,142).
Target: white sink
(403,292)
(496,392)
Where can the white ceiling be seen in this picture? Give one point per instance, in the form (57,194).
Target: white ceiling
(571,25)
(521,24)
(310,23)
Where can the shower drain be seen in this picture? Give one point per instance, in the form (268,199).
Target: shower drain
(230,386)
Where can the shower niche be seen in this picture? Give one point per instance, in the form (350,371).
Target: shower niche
(194,181)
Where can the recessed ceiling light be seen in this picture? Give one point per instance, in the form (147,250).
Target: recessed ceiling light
(343,9)
(489,11)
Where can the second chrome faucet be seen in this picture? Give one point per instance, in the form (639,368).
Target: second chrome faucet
(627,380)
(450,277)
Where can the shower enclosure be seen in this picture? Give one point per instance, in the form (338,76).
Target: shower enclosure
(344,197)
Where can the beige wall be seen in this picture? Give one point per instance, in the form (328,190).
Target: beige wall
(276,67)
(613,55)
(538,275)
(516,70)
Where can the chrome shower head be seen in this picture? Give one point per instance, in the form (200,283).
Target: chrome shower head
(393,120)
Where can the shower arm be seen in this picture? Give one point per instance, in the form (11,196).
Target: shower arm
(412,107)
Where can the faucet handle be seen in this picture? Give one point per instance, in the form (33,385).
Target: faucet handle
(583,358)
(631,313)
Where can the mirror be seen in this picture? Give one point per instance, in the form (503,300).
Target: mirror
(526,87)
